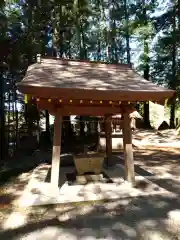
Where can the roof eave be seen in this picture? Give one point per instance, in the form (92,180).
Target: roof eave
(94,94)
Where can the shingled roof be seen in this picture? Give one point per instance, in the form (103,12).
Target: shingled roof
(52,77)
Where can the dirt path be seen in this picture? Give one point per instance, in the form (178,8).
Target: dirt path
(164,138)
(145,218)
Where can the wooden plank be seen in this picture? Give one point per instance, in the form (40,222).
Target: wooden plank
(56,150)
(108,135)
(128,150)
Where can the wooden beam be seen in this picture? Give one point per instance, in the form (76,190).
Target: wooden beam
(89,110)
(128,150)
(108,135)
(94,94)
(56,150)
(67,110)
(77,102)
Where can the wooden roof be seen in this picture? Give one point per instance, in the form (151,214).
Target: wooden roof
(89,80)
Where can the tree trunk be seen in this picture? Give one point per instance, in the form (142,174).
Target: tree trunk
(83,56)
(146,76)
(56,14)
(30,31)
(47,125)
(173,78)
(8,120)
(2,121)
(81,124)
(17,127)
(172,116)
(178,15)
(99,50)
(13,119)
(114,55)
(127,32)
(67,133)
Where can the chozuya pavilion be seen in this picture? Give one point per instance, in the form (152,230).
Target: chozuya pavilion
(71,87)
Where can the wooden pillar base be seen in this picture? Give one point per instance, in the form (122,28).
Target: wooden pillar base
(56,151)
(128,149)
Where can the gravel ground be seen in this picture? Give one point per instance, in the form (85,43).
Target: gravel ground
(155,217)
(136,219)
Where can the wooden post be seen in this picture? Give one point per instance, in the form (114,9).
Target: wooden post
(128,150)
(56,150)
(108,133)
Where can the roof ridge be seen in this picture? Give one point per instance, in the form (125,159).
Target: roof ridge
(66,61)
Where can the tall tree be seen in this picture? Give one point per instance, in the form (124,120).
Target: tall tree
(165,62)
(174,67)
(3,41)
(127,32)
(143,29)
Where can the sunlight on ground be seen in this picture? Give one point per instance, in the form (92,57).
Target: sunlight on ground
(154,235)
(164,138)
(16,219)
(114,220)
(39,192)
(174,215)
(153,217)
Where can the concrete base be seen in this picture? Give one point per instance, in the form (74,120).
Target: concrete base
(90,162)
(40,192)
(89,178)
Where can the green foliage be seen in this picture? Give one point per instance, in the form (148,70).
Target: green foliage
(88,29)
